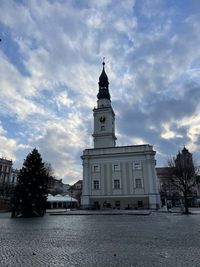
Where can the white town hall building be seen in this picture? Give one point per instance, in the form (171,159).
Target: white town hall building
(116,176)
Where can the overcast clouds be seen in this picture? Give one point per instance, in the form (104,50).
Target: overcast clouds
(50,62)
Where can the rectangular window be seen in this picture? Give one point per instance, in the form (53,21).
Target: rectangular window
(138,183)
(6,178)
(140,204)
(96,168)
(116,167)
(96,184)
(78,186)
(116,184)
(117,204)
(137,165)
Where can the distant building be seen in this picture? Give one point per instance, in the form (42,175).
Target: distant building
(6,188)
(116,177)
(13,176)
(13,181)
(56,186)
(75,190)
(65,188)
(168,191)
(5,174)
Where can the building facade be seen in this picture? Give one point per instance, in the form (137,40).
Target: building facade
(75,191)
(168,192)
(171,193)
(116,176)
(5,174)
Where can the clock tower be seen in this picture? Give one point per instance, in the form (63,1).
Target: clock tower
(104,116)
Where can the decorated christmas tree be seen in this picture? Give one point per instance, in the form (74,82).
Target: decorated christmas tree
(31,191)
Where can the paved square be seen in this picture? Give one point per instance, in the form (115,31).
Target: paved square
(107,240)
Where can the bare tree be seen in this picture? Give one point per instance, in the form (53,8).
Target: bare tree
(49,169)
(184,175)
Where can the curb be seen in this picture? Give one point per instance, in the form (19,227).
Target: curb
(99,214)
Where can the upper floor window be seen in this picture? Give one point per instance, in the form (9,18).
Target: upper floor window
(96,184)
(138,183)
(14,178)
(96,168)
(137,165)
(78,186)
(116,184)
(116,167)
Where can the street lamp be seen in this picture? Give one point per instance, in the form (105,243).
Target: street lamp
(71,191)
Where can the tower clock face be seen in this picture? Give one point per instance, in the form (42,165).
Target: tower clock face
(102,119)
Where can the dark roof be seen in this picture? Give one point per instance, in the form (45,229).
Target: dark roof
(79,182)
(74,185)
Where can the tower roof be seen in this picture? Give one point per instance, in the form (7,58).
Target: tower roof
(185,150)
(103,85)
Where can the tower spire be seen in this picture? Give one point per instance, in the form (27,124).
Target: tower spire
(103,84)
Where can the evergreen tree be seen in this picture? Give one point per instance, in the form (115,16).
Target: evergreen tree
(31,191)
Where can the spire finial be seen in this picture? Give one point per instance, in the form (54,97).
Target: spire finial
(103,63)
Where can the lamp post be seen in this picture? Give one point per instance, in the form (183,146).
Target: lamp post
(71,191)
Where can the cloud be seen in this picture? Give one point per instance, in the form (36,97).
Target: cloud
(8,145)
(15,92)
(50,64)
(63,100)
(62,144)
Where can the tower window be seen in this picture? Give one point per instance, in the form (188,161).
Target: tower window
(102,128)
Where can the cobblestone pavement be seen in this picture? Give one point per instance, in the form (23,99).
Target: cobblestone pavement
(159,239)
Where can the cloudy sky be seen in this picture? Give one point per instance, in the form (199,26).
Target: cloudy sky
(50,61)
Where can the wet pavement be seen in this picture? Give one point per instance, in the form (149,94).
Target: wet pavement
(99,212)
(160,239)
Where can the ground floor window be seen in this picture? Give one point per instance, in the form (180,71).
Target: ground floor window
(96,205)
(117,204)
(140,203)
